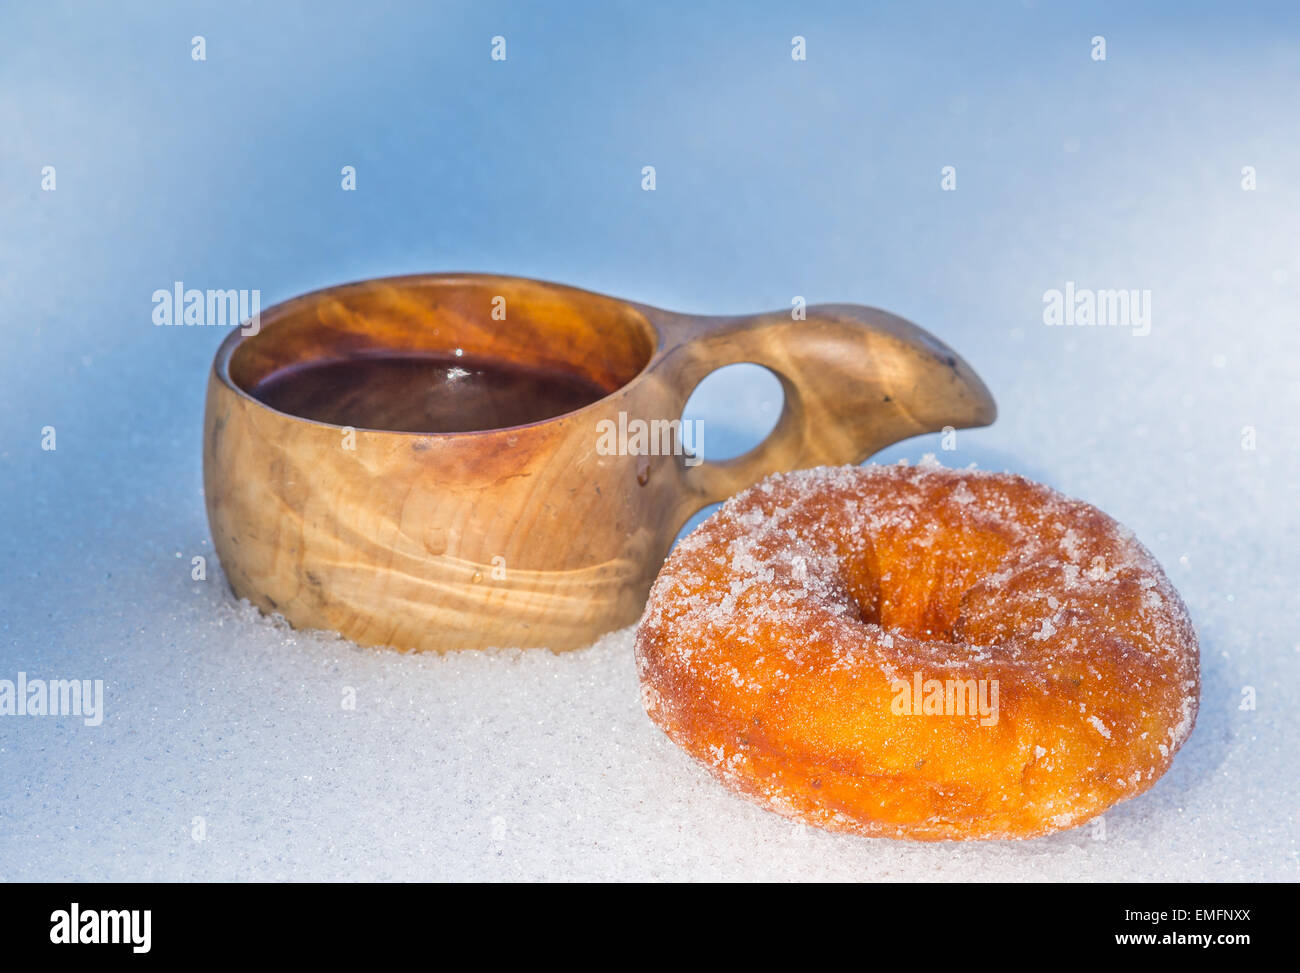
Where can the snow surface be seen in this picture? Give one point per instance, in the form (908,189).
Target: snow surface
(774,179)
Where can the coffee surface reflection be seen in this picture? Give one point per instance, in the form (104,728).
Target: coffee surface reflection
(421,393)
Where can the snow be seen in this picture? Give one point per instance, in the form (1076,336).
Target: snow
(775,179)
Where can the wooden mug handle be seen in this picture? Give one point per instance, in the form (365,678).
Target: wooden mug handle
(856,379)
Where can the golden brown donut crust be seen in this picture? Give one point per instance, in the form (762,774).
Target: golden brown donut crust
(780,634)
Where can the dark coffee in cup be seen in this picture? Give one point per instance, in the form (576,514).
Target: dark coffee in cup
(424,393)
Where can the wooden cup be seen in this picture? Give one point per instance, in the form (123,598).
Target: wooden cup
(532,535)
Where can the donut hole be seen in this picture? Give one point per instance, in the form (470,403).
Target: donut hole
(915,609)
(917,589)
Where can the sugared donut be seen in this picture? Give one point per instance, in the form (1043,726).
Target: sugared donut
(918,652)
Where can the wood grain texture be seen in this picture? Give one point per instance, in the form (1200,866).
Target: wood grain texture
(527,536)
